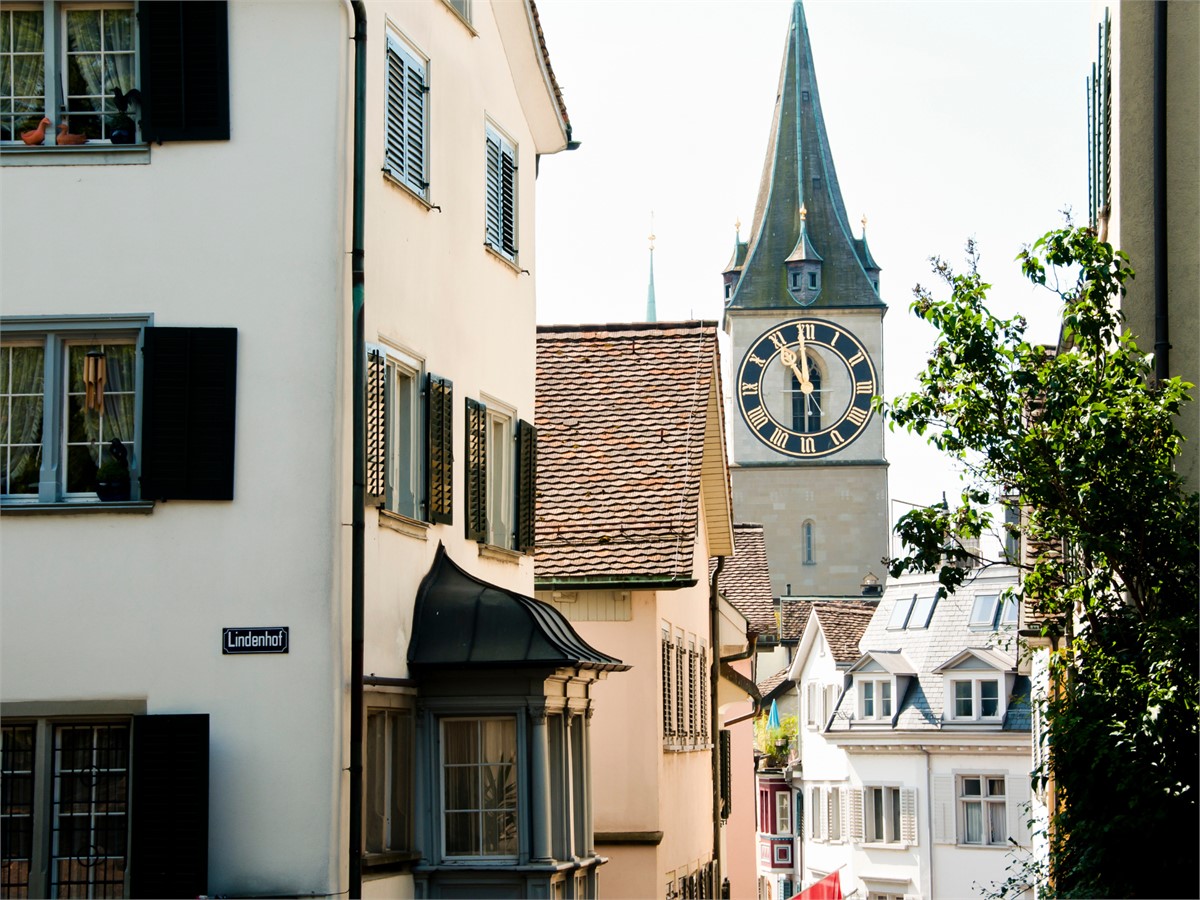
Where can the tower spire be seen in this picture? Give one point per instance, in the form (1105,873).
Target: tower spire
(651,311)
(799,175)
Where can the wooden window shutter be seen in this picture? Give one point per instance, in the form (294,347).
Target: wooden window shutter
(439,448)
(188,413)
(495,203)
(692,704)
(727,773)
(526,486)
(854,800)
(476,519)
(680,697)
(908,816)
(169,804)
(704,685)
(943,809)
(185,70)
(508,182)
(376,411)
(404,151)
(668,719)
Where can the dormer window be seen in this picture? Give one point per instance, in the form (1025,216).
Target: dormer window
(976,699)
(977,683)
(812,280)
(795,279)
(990,612)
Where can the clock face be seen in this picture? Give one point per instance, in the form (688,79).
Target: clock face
(805,387)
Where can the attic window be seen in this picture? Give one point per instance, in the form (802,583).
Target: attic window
(900,612)
(922,612)
(804,96)
(812,279)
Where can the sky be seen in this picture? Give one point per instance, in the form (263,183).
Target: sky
(946,120)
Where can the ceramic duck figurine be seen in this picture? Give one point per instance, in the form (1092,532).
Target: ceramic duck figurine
(38,135)
(65,138)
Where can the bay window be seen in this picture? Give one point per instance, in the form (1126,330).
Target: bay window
(479,787)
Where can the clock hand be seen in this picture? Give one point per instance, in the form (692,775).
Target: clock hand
(788,358)
(805,383)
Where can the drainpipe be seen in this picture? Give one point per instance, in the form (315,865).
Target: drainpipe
(358,449)
(929,814)
(714,714)
(1162,344)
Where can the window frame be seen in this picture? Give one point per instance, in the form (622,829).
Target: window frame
(808,533)
(876,700)
(975,680)
(501,193)
(816,822)
(400,704)
(978,621)
(922,612)
(500,460)
(891,815)
(783,812)
(902,609)
(408,430)
(56,335)
(516,766)
(399,169)
(986,802)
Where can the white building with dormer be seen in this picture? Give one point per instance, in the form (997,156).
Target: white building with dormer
(914,758)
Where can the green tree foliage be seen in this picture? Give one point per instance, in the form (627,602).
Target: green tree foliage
(1086,438)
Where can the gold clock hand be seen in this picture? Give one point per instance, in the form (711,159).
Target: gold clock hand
(805,383)
(788,358)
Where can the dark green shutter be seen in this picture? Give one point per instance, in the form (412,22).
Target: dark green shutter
(439,448)
(526,485)
(169,806)
(476,520)
(726,773)
(509,200)
(188,413)
(376,423)
(185,70)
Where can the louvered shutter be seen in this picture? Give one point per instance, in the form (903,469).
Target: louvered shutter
(726,740)
(831,802)
(1016,795)
(184,62)
(189,413)
(526,486)
(908,816)
(508,186)
(680,697)
(439,468)
(494,191)
(704,686)
(692,699)
(668,720)
(404,153)
(169,806)
(943,809)
(376,415)
(476,519)
(854,797)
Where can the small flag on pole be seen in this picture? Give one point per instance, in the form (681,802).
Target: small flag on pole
(828,888)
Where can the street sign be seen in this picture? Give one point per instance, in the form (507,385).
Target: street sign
(254,640)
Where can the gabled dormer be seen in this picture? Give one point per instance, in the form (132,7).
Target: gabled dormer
(804,266)
(977,684)
(880,679)
(733,271)
(868,261)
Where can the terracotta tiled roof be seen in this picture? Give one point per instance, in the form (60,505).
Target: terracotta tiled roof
(844,623)
(773,683)
(793,616)
(621,414)
(746,581)
(541,38)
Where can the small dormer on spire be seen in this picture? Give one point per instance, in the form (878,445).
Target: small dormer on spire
(804,266)
(864,253)
(733,271)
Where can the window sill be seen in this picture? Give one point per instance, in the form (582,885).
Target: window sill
(500,554)
(406,189)
(97,154)
(465,21)
(511,263)
(394,521)
(83,507)
(881,845)
(390,861)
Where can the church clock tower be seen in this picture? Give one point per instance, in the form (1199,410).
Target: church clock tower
(803,308)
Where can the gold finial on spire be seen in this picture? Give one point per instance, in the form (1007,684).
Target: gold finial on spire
(651,238)
(864,223)
(803,212)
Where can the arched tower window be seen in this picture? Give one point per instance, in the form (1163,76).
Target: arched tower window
(806,408)
(808,538)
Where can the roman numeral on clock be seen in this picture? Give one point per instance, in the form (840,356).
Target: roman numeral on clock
(836,438)
(757,417)
(862,387)
(857,415)
(749,387)
(855,359)
(779,438)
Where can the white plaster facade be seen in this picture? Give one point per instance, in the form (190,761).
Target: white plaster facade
(917,750)
(119,610)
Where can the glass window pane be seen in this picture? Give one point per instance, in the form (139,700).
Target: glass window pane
(1008,615)
(83,30)
(118,29)
(462,834)
(499,740)
(989,698)
(462,787)
(499,833)
(962,700)
(971,787)
(983,610)
(885,698)
(401,779)
(997,829)
(972,823)
(922,611)
(876,795)
(995,787)
(900,612)
(895,804)
(460,742)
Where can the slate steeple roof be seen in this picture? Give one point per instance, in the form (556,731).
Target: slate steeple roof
(799,174)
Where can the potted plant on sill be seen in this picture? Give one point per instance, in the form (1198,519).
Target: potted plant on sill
(112,479)
(774,743)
